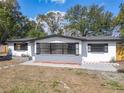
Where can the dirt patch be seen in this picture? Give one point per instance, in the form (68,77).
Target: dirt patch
(14,61)
(31,79)
(121,67)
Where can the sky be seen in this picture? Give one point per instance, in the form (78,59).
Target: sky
(31,8)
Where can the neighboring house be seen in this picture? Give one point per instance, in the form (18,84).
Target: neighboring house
(56,48)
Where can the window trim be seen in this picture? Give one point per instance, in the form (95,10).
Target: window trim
(105,48)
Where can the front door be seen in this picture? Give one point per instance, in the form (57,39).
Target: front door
(120,52)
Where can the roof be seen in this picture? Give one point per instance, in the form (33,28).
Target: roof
(69,37)
(22,40)
(103,38)
(91,38)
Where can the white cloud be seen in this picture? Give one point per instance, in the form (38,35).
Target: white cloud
(58,1)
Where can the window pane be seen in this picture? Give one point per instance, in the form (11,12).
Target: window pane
(45,51)
(20,46)
(43,48)
(65,48)
(38,48)
(58,48)
(97,47)
(45,45)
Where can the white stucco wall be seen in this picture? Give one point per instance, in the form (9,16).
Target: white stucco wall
(21,52)
(93,57)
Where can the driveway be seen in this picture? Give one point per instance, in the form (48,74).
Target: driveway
(97,66)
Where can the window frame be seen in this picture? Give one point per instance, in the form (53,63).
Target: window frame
(62,48)
(105,47)
(22,48)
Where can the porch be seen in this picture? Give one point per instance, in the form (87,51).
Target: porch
(68,52)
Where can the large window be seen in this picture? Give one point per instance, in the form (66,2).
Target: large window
(58,48)
(97,47)
(20,46)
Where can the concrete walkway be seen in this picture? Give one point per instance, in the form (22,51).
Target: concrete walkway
(101,66)
(50,65)
(97,66)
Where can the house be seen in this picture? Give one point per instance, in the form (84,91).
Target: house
(67,49)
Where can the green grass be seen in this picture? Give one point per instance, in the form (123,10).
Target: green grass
(22,90)
(78,72)
(115,85)
(55,83)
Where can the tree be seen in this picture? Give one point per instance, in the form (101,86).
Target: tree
(76,16)
(93,20)
(119,20)
(53,20)
(12,23)
(6,19)
(35,31)
(100,20)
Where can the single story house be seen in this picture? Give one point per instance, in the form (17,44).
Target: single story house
(58,48)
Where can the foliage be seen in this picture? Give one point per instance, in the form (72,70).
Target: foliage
(119,20)
(93,20)
(77,21)
(12,23)
(54,21)
(36,33)
(122,32)
(6,19)
(11,20)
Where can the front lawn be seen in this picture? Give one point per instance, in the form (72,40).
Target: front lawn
(31,79)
